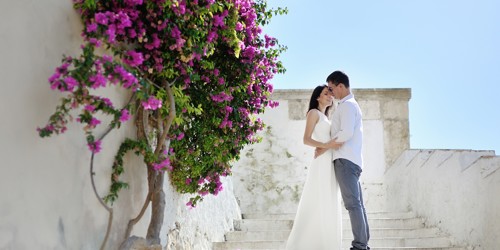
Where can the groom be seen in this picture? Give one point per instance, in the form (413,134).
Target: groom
(347,128)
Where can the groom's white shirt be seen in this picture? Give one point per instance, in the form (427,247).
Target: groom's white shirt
(347,127)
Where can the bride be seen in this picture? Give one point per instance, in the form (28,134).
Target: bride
(318,222)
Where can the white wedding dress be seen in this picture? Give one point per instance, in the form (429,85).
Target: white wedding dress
(318,222)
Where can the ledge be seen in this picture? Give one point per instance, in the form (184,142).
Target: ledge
(362,94)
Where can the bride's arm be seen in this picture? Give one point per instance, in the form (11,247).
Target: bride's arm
(331,144)
(319,151)
(311,120)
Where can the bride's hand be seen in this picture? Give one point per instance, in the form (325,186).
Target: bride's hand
(319,151)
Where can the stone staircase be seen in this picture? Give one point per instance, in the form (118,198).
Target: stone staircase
(388,230)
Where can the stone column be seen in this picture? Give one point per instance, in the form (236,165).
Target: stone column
(391,107)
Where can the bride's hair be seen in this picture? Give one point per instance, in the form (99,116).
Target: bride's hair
(313,102)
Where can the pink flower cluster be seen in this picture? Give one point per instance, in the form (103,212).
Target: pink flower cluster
(226,122)
(60,80)
(124,115)
(210,184)
(100,72)
(163,165)
(133,58)
(152,103)
(112,23)
(94,147)
(221,97)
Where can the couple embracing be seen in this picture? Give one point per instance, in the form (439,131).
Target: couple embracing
(334,172)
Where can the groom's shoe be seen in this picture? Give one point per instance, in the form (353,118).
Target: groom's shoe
(355,248)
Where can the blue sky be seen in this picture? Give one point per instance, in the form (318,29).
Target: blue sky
(446,51)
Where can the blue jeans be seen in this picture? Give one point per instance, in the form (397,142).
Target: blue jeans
(347,174)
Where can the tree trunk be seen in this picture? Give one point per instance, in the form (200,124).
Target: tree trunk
(157,206)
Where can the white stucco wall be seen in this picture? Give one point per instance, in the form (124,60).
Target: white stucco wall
(456,190)
(197,228)
(270,175)
(46,199)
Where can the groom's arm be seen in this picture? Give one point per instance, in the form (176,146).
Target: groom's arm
(347,122)
(334,144)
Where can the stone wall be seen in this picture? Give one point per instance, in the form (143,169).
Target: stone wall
(46,199)
(270,175)
(456,190)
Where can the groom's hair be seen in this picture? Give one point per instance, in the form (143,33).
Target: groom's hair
(338,77)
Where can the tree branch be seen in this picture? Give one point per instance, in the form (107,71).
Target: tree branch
(134,221)
(92,173)
(109,209)
(170,119)
(141,123)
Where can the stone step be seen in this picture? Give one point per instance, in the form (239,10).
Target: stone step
(402,232)
(374,195)
(243,245)
(389,223)
(278,235)
(281,245)
(286,224)
(395,230)
(381,242)
(374,232)
(406,242)
(262,225)
(291,216)
(417,248)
